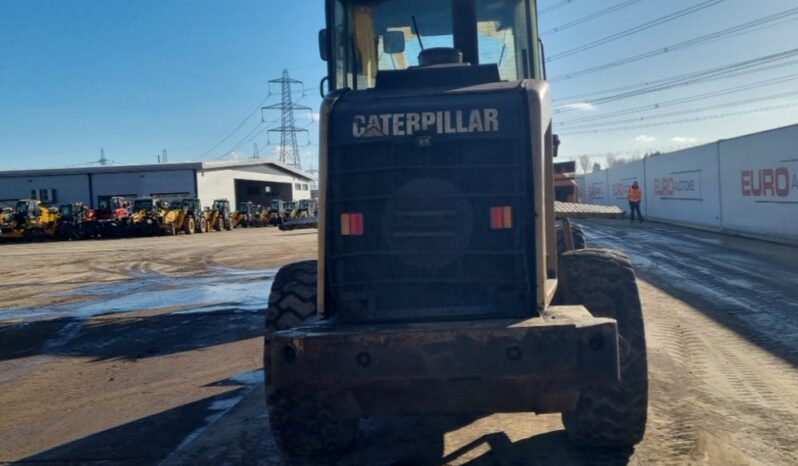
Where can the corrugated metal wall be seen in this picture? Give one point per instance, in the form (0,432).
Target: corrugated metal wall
(68,188)
(133,184)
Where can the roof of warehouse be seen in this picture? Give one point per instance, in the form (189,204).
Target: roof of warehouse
(212,165)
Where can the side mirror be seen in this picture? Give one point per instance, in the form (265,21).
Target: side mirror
(324,44)
(393,42)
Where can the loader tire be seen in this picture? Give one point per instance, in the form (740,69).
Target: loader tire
(580,242)
(219,225)
(301,423)
(203,225)
(191,226)
(609,415)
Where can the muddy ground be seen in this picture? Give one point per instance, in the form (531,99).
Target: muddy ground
(147,351)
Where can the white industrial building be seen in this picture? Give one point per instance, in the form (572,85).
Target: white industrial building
(254,180)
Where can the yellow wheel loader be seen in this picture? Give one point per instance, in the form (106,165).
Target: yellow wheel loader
(438,288)
(31,220)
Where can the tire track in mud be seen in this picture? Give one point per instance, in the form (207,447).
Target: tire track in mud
(717,395)
(672,417)
(705,380)
(727,285)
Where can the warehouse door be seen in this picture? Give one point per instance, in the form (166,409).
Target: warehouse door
(261,192)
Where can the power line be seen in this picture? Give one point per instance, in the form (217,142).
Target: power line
(253,133)
(683,100)
(710,74)
(633,152)
(628,32)
(246,118)
(751,26)
(589,17)
(744,72)
(736,103)
(685,120)
(555,6)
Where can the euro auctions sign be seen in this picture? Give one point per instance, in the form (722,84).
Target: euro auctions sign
(595,191)
(684,185)
(772,185)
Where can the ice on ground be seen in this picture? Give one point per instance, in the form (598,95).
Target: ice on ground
(226,289)
(248,378)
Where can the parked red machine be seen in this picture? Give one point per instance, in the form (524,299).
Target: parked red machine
(112,215)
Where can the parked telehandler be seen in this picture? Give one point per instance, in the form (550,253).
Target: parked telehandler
(5,214)
(148,217)
(30,220)
(307,208)
(438,287)
(261,218)
(244,215)
(219,216)
(291,210)
(250,214)
(195,220)
(113,217)
(75,221)
(174,218)
(276,212)
(10,229)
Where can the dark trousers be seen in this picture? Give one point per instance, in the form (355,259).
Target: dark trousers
(635,207)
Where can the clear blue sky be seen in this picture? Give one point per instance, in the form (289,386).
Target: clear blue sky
(135,77)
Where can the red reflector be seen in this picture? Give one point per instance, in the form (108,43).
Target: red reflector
(356,224)
(496,217)
(501,217)
(352,224)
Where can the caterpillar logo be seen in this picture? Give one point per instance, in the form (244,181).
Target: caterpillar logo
(441,122)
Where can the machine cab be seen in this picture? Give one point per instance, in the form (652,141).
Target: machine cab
(436,138)
(364,37)
(146,204)
(28,208)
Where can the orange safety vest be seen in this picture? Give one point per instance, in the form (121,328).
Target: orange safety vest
(634,194)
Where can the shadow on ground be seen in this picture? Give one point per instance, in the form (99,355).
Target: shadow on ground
(128,337)
(190,435)
(143,442)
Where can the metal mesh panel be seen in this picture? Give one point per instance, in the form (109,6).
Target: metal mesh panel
(428,250)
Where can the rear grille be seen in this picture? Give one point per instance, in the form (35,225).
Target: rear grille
(428,250)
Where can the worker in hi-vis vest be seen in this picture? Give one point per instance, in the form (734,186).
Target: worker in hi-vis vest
(635,196)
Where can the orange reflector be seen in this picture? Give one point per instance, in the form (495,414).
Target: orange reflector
(345,224)
(501,217)
(351,224)
(508,217)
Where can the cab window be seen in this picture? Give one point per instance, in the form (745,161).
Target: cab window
(366,33)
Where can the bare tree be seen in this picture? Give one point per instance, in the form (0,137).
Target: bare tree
(596,167)
(584,163)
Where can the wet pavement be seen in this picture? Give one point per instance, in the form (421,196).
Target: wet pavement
(747,285)
(165,369)
(220,290)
